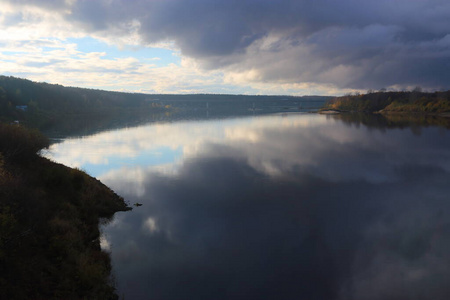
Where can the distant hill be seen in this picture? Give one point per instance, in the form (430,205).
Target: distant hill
(71,109)
(42,105)
(417,102)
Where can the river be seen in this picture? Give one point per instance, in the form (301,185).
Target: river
(282,206)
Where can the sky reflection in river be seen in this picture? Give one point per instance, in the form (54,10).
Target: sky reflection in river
(293,207)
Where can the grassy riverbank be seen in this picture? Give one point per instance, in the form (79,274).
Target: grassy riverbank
(414,102)
(49,217)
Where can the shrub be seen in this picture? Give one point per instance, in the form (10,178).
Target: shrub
(18,143)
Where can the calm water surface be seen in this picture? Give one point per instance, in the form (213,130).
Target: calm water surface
(294,206)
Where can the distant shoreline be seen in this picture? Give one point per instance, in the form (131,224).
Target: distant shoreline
(411,103)
(382,112)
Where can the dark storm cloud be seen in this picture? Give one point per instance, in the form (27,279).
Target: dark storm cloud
(349,43)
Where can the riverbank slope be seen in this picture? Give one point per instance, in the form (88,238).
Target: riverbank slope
(49,224)
(414,102)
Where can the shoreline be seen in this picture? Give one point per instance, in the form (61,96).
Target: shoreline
(384,112)
(50,224)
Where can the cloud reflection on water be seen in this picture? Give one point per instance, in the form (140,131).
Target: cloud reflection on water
(285,208)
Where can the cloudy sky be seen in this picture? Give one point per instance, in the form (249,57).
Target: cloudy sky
(296,47)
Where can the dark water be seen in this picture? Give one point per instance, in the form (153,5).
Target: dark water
(277,207)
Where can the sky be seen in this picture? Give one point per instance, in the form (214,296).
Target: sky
(288,47)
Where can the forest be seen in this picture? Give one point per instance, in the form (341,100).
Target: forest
(49,106)
(43,105)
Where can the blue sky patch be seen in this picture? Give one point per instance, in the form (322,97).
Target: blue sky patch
(158,56)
